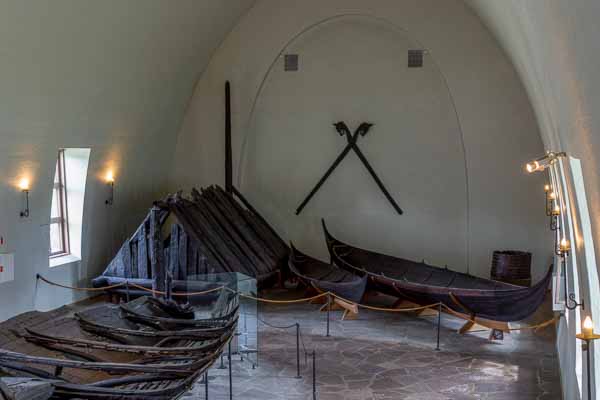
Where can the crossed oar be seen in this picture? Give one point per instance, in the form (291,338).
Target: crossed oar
(362,130)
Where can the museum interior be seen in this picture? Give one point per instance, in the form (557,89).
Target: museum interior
(319,199)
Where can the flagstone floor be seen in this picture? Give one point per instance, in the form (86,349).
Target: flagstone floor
(384,356)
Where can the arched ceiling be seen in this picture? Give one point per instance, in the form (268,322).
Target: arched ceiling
(554,46)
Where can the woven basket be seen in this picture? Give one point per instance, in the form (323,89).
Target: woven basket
(512,266)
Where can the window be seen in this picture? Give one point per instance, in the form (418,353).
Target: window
(59,220)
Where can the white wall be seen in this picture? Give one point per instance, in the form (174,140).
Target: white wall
(554,47)
(114,76)
(352,57)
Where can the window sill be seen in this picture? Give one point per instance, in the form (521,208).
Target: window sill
(62,260)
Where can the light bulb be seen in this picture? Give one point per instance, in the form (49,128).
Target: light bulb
(24,184)
(552,196)
(532,166)
(110,177)
(546,188)
(556,211)
(565,245)
(588,327)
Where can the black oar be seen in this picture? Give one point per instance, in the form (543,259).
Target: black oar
(343,130)
(387,194)
(337,161)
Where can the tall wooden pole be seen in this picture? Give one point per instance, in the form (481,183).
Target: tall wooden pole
(228,157)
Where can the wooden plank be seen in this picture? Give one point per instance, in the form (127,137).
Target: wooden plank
(183,255)
(126,259)
(262,221)
(251,221)
(174,251)
(237,220)
(220,241)
(156,255)
(133,244)
(235,240)
(228,153)
(143,251)
(26,388)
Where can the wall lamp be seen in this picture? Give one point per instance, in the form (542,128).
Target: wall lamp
(563,251)
(550,199)
(110,181)
(544,162)
(587,335)
(554,220)
(24,186)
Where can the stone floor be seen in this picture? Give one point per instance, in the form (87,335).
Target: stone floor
(388,356)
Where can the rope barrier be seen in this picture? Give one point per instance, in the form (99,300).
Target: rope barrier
(177,293)
(79,288)
(263,300)
(271,301)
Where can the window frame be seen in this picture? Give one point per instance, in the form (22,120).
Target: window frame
(62,220)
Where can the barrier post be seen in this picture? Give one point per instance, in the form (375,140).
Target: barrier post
(439,322)
(298,351)
(328,311)
(314,373)
(230,380)
(206,384)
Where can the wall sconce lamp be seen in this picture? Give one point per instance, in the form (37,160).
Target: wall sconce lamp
(543,162)
(550,199)
(554,220)
(110,181)
(563,251)
(24,186)
(587,335)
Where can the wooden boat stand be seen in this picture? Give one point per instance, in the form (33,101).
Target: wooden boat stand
(350,310)
(473,323)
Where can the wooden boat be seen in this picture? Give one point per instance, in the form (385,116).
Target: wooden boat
(152,312)
(54,350)
(106,320)
(490,303)
(325,277)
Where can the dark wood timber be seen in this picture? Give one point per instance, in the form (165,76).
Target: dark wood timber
(228,156)
(54,354)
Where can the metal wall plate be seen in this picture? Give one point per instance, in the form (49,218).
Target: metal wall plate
(415,58)
(291,62)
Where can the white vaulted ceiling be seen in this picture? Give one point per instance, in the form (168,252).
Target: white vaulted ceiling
(554,45)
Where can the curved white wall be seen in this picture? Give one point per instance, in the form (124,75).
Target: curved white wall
(554,46)
(114,76)
(498,128)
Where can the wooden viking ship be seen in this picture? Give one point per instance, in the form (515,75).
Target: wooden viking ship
(489,303)
(325,277)
(56,355)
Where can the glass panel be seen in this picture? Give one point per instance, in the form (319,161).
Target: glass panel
(55,210)
(55,238)
(56,175)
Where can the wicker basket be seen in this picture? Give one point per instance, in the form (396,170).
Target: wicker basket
(512,266)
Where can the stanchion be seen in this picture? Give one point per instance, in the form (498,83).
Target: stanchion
(230,379)
(439,323)
(206,385)
(222,366)
(314,373)
(298,351)
(328,311)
